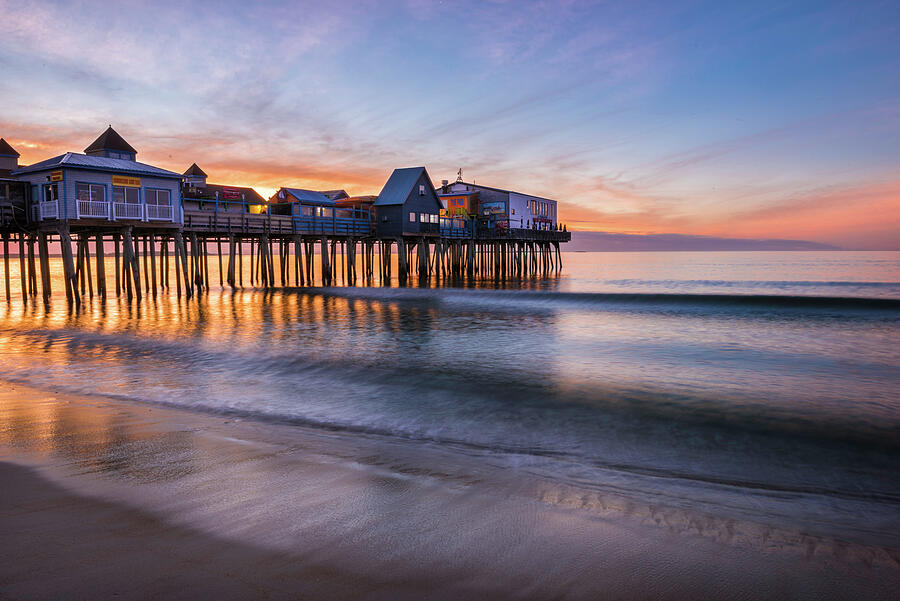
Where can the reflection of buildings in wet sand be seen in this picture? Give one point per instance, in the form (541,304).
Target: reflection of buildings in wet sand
(103,439)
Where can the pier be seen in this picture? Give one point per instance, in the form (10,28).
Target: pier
(157,223)
(280,251)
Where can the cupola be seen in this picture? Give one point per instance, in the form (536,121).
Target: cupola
(111,145)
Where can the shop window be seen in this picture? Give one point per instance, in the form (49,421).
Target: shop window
(90,192)
(158,197)
(123,194)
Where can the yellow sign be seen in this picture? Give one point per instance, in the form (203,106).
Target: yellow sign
(122,180)
(56,176)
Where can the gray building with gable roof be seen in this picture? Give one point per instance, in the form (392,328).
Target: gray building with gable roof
(408,205)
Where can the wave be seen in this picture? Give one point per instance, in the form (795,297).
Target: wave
(455,393)
(610,299)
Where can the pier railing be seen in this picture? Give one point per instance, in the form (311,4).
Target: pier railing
(247,223)
(48,209)
(160,213)
(92,209)
(128,210)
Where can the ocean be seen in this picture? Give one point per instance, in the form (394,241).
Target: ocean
(753,392)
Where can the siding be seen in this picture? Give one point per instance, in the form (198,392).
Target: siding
(72,177)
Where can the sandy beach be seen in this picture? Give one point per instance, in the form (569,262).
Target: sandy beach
(107,499)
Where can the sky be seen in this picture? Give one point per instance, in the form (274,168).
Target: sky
(750,120)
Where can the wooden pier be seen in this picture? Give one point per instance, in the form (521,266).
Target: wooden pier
(280,250)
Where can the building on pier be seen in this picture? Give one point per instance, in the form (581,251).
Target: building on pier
(314,212)
(301,202)
(201,196)
(408,205)
(104,184)
(13,193)
(505,208)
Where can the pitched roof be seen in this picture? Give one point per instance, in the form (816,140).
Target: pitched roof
(82,161)
(6,149)
(194,170)
(480,187)
(251,196)
(399,185)
(110,140)
(308,196)
(335,194)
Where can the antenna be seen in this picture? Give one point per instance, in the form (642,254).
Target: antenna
(459,178)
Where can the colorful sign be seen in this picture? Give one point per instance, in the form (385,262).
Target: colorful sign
(125,180)
(56,176)
(497,207)
(456,205)
(231,193)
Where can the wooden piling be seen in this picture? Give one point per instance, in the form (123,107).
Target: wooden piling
(22,274)
(182,253)
(69,265)
(100,254)
(6,265)
(131,263)
(44,256)
(118,268)
(219,255)
(231,260)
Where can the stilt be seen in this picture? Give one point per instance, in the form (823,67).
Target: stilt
(231,260)
(100,254)
(118,272)
(22,267)
(177,268)
(131,262)
(152,241)
(69,266)
(6,265)
(240,255)
(182,252)
(326,270)
(86,256)
(32,271)
(219,255)
(44,254)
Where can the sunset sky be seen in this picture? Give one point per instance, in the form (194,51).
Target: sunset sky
(752,120)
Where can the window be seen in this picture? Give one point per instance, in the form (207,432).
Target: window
(423,217)
(421,189)
(158,197)
(435,219)
(123,194)
(412,217)
(51,192)
(91,192)
(324,211)
(307,211)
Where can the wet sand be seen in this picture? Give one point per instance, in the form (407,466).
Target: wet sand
(101,498)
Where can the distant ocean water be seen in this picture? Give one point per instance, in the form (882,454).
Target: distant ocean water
(758,386)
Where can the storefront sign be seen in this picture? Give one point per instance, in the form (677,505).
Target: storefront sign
(230,193)
(493,208)
(123,180)
(56,176)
